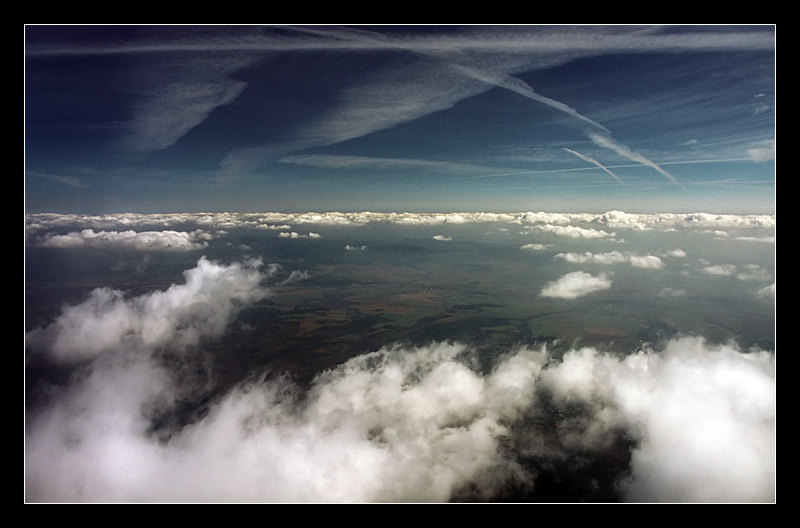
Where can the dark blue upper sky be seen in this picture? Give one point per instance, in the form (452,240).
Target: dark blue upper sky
(430,118)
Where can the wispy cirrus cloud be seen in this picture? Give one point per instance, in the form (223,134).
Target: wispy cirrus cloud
(337,161)
(451,68)
(175,95)
(69,181)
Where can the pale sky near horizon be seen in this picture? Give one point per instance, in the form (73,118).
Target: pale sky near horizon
(400,118)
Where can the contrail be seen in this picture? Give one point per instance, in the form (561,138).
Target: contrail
(590,160)
(521,87)
(604,140)
(622,150)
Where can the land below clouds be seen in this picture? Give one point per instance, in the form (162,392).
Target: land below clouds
(363,300)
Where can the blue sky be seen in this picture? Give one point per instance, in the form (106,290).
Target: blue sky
(400,118)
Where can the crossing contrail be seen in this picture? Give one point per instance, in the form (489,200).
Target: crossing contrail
(622,150)
(602,139)
(590,160)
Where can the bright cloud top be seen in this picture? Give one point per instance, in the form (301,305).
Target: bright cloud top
(705,417)
(550,222)
(147,240)
(576,284)
(179,317)
(573,231)
(614,257)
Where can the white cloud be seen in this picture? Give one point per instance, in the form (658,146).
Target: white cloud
(576,284)
(767,292)
(754,272)
(178,317)
(646,262)
(614,257)
(37,223)
(761,154)
(704,417)
(720,269)
(399,424)
(417,425)
(143,241)
(535,247)
(294,234)
(573,231)
(394,425)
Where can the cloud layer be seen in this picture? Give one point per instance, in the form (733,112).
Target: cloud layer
(413,424)
(167,240)
(429,423)
(543,221)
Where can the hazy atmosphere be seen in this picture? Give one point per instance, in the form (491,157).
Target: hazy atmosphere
(400,264)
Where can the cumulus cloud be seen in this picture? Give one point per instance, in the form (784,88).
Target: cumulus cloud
(146,240)
(294,234)
(430,423)
(725,270)
(767,292)
(535,247)
(704,417)
(178,317)
(614,257)
(420,424)
(576,284)
(646,261)
(36,223)
(573,231)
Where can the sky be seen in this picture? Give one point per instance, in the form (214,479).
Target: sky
(171,119)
